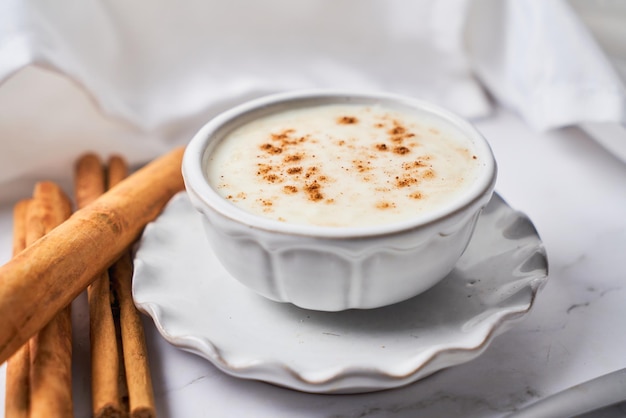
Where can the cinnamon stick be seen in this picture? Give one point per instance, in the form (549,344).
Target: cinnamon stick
(117,170)
(17,382)
(51,348)
(19,225)
(138,379)
(89,185)
(49,274)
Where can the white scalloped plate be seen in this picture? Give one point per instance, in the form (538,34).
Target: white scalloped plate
(198,307)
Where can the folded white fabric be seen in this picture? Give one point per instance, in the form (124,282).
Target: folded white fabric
(158,64)
(539,58)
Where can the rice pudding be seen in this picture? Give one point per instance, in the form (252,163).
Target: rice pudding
(343,165)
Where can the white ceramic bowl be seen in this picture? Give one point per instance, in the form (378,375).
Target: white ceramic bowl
(334,268)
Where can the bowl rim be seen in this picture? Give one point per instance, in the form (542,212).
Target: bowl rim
(198,148)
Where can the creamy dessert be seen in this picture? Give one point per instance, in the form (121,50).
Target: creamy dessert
(343,165)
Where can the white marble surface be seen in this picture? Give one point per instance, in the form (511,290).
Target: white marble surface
(575,193)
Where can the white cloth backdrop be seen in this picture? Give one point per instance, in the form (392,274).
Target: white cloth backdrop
(139,77)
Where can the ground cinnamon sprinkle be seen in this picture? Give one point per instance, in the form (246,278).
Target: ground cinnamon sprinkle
(316,196)
(240,196)
(401,150)
(292,158)
(313,191)
(397,129)
(271,149)
(266,202)
(428,174)
(405,181)
(272,171)
(272,178)
(311,171)
(282,135)
(385,205)
(264,168)
(362,166)
(413,165)
(347,120)
(313,186)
